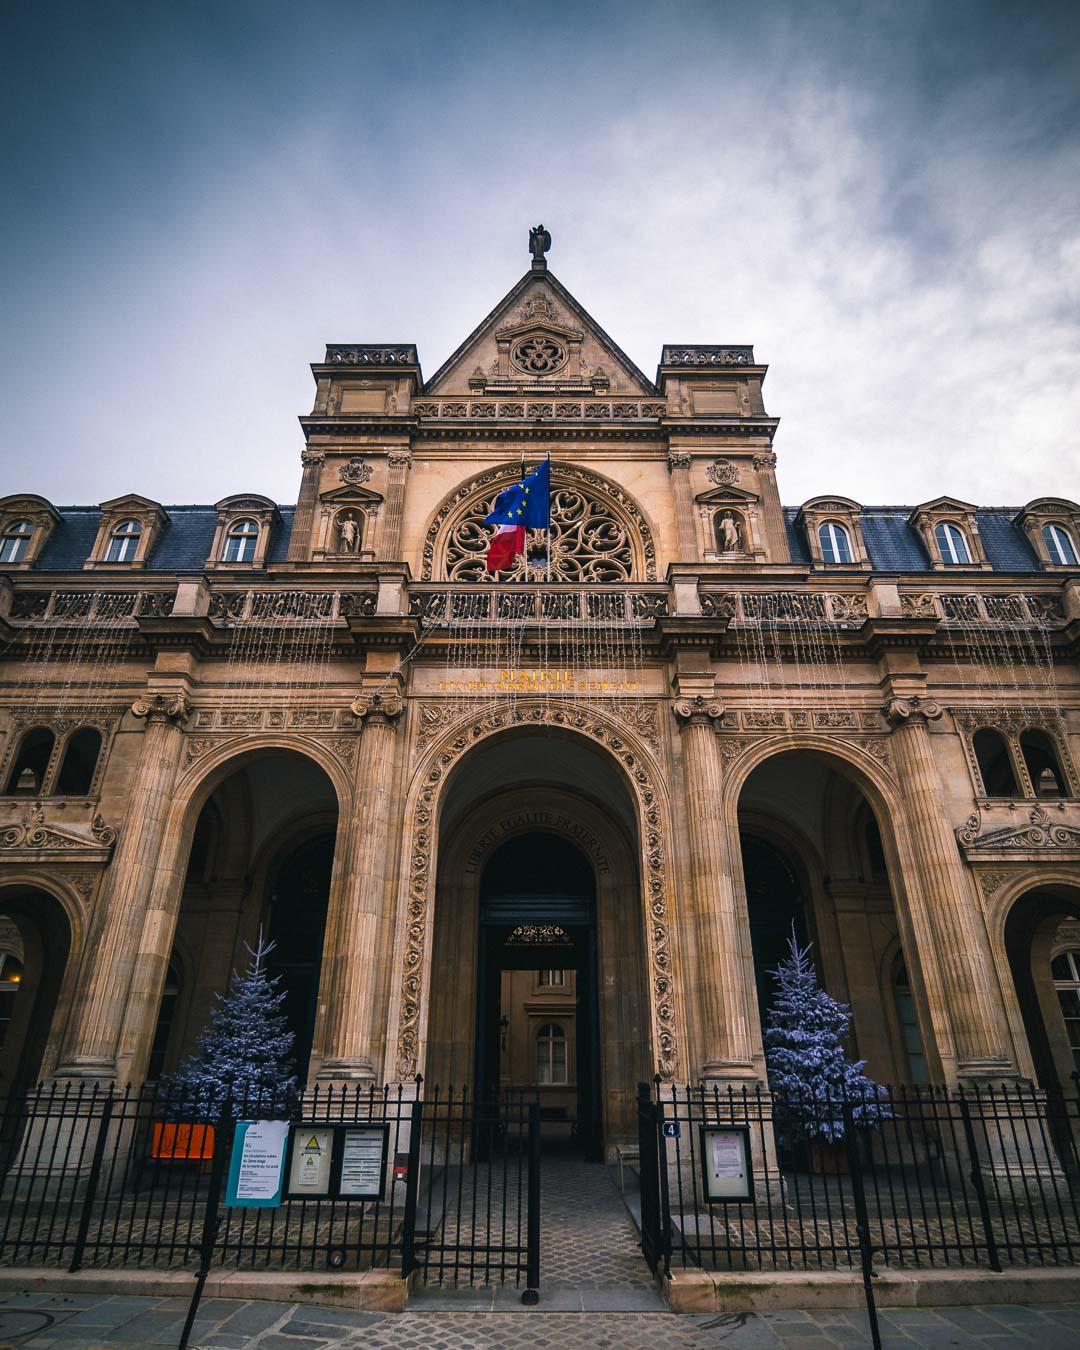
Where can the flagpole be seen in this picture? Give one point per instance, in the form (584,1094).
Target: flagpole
(549,522)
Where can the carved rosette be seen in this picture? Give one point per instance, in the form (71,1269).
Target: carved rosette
(162,708)
(912,711)
(697,711)
(383,709)
(456,742)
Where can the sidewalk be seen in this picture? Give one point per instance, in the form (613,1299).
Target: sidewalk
(41,1321)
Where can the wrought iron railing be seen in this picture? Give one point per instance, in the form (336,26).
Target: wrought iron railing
(554,606)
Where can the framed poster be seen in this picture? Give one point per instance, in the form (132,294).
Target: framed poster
(726,1169)
(256,1164)
(311,1159)
(364,1150)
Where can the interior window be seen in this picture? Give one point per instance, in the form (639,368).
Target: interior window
(551,1054)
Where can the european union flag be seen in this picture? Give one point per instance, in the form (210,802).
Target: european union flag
(526,503)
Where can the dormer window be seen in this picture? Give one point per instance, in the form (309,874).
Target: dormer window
(241,541)
(124,542)
(952,544)
(1059,545)
(15,542)
(835,544)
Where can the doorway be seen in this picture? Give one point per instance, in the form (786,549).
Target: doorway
(537,1008)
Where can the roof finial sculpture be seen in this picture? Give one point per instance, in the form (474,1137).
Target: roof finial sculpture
(539,243)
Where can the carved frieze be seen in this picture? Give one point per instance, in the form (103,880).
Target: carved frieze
(1041,833)
(33,833)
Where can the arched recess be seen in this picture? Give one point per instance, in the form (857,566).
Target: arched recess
(255,798)
(47,935)
(858,915)
(423,806)
(599,532)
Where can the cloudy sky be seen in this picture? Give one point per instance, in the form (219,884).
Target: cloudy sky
(883,197)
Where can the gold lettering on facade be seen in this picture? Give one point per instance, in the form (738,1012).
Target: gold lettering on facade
(536,682)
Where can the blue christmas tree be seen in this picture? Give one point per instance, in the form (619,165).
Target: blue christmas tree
(809,1073)
(243,1061)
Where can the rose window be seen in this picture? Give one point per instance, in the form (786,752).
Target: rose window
(539,355)
(589,543)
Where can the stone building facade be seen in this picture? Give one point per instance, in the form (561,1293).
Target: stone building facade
(690,720)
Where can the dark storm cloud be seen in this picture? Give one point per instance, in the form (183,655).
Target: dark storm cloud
(882,197)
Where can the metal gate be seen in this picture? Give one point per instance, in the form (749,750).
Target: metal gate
(472,1206)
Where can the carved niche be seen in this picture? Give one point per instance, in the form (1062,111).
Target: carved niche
(458,739)
(598,533)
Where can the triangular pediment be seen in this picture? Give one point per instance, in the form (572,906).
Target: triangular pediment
(351,495)
(726,496)
(577,350)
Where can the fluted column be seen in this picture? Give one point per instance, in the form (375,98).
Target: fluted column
(349,969)
(98,1007)
(679,468)
(723,997)
(399,463)
(771,510)
(300,538)
(960,947)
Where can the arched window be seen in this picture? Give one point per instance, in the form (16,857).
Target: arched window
(1040,756)
(124,541)
(11,973)
(170,997)
(241,541)
(995,764)
(79,762)
(15,541)
(834,541)
(1066,972)
(1060,546)
(952,544)
(909,1026)
(27,776)
(551,1054)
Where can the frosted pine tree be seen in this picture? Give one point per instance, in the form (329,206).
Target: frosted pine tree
(245,1056)
(809,1073)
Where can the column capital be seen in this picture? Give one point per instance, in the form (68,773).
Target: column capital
(912,711)
(765,460)
(162,707)
(698,711)
(384,708)
(399,459)
(678,459)
(311,456)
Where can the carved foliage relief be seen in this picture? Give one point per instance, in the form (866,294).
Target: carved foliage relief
(420,849)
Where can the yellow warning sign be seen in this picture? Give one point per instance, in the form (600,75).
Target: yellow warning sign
(309,1173)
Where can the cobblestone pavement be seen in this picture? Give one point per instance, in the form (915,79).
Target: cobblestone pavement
(40,1321)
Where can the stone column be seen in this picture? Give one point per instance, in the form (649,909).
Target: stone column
(679,468)
(773,512)
(722,993)
(300,538)
(399,462)
(100,998)
(961,951)
(349,963)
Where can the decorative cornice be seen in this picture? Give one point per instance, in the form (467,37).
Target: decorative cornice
(162,707)
(912,711)
(32,834)
(698,711)
(1040,833)
(364,354)
(707,356)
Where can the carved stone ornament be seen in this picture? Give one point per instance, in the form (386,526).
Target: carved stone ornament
(722,472)
(913,711)
(1042,832)
(355,471)
(697,710)
(991,882)
(33,833)
(540,354)
(598,533)
(678,459)
(422,818)
(309,456)
(381,707)
(162,707)
(765,460)
(399,459)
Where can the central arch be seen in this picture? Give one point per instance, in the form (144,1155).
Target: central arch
(581,777)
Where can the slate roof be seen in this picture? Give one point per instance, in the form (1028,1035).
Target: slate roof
(182,546)
(184,543)
(894,546)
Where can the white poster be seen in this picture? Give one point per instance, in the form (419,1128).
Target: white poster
(256,1173)
(312,1154)
(362,1163)
(726,1164)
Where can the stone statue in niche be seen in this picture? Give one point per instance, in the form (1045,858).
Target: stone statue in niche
(349,534)
(729,534)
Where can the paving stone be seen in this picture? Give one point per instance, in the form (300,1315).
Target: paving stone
(254,1317)
(331,1317)
(275,1341)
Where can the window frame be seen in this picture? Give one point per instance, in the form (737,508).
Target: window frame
(20,532)
(548,1035)
(947,529)
(1069,986)
(245,530)
(128,531)
(1050,533)
(835,530)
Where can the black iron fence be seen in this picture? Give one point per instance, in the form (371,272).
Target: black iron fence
(129,1177)
(921,1177)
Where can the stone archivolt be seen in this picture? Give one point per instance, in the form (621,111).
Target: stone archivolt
(458,740)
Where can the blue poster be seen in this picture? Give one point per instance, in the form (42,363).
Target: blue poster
(257,1164)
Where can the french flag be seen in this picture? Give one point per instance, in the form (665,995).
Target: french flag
(522,506)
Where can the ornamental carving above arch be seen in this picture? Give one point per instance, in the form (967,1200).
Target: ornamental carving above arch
(598,532)
(470,731)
